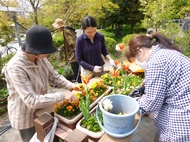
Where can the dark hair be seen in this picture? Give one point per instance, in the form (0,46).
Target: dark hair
(88,21)
(149,31)
(142,40)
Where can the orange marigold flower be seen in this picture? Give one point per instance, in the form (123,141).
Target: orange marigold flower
(69,108)
(77,104)
(84,93)
(65,102)
(74,102)
(92,98)
(99,84)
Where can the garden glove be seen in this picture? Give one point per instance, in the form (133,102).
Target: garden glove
(97,69)
(137,92)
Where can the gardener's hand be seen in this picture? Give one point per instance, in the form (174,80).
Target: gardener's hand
(70,96)
(78,87)
(112,63)
(137,92)
(97,69)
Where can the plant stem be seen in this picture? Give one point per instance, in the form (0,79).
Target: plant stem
(114,85)
(125,83)
(87,102)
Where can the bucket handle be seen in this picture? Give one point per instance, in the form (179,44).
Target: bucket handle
(119,135)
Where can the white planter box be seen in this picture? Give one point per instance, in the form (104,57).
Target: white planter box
(86,131)
(79,116)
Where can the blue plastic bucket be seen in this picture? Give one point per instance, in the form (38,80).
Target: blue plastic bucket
(119,126)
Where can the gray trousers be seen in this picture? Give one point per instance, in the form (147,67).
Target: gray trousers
(27,134)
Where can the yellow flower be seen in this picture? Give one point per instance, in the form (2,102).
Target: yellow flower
(80,86)
(78,95)
(94,84)
(96,94)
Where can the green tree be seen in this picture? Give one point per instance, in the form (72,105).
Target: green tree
(126,13)
(6,21)
(158,12)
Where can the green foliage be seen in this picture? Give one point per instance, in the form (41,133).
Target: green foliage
(157,12)
(61,68)
(131,81)
(58,39)
(3,93)
(187,52)
(3,110)
(6,34)
(91,123)
(63,71)
(183,40)
(110,44)
(177,36)
(107,33)
(85,106)
(126,38)
(4,60)
(125,84)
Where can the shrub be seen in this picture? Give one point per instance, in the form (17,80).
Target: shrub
(177,36)
(58,39)
(107,33)
(4,60)
(3,93)
(126,38)
(110,44)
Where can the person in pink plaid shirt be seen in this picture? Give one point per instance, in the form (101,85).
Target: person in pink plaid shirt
(28,75)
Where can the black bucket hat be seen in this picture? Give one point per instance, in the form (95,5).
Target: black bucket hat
(39,41)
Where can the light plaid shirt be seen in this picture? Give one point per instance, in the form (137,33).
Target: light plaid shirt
(167,89)
(28,84)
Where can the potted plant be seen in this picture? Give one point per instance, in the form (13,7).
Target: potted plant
(70,113)
(88,124)
(122,81)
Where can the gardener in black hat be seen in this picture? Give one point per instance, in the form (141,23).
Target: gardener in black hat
(28,75)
